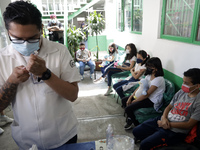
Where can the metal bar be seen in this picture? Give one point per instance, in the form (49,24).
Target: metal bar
(172,23)
(188,6)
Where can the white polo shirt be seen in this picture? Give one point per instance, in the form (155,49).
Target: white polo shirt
(41,116)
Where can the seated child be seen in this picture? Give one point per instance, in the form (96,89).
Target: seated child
(153,97)
(178,118)
(136,73)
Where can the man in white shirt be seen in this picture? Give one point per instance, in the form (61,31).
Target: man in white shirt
(40,79)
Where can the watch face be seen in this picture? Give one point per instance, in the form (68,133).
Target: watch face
(46,75)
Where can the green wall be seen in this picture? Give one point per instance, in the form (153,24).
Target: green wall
(173,78)
(102,43)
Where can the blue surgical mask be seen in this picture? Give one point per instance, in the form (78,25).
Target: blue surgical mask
(139,61)
(26,48)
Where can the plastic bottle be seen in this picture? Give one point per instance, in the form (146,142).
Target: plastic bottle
(109,138)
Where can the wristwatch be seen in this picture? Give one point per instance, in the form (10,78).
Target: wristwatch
(45,76)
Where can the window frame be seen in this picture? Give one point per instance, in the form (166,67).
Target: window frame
(194,28)
(123,19)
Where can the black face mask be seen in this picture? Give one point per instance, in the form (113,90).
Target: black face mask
(148,71)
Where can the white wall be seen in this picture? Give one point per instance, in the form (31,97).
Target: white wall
(4,4)
(176,57)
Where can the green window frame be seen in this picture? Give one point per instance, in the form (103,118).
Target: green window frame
(137,16)
(180,21)
(130,15)
(120,14)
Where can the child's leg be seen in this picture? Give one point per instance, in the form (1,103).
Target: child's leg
(136,105)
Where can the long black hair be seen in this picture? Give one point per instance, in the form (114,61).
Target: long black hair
(23,13)
(156,63)
(133,51)
(144,55)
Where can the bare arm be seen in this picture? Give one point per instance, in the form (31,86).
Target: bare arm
(149,92)
(63,88)
(37,66)
(184,125)
(137,74)
(9,89)
(164,122)
(127,67)
(7,94)
(111,59)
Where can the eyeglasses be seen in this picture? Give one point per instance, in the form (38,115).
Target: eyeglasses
(19,41)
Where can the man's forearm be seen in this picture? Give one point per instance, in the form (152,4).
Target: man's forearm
(7,94)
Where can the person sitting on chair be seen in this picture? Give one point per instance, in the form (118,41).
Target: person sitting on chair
(83,56)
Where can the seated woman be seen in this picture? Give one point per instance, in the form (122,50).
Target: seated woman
(109,60)
(153,98)
(136,72)
(128,64)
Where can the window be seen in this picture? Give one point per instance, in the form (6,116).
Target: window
(119,15)
(180,20)
(127,14)
(130,15)
(198,33)
(137,15)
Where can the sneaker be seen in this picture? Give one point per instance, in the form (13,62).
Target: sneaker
(106,79)
(4,120)
(91,76)
(1,131)
(108,92)
(82,78)
(98,80)
(129,124)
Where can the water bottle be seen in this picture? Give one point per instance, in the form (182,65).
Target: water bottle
(109,138)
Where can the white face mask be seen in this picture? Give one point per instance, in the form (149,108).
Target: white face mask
(54,21)
(127,51)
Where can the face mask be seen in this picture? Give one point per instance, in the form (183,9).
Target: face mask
(54,21)
(139,61)
(82,49)
(127,51)
(186,88)
(148,71)
(111,49)
(26,48)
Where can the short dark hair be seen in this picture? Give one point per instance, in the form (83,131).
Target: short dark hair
(82,43)
(23,13)
(156,63)
(194,74)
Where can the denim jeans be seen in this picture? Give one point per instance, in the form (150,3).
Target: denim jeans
(118,86)
(153,136)
(82,66)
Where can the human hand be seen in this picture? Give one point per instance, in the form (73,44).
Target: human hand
(128,102)
(118,66)
(132,70)
(164,123)
(84,60)
(36,65)
(19,75)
